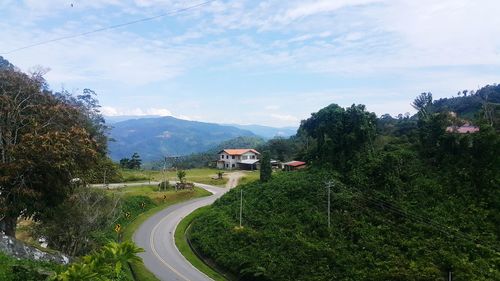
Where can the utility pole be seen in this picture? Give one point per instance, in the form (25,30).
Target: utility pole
(164,173)
(329,185)
(449,276)
(241,205)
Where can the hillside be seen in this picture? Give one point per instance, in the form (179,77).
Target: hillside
(154,138)
(415,204)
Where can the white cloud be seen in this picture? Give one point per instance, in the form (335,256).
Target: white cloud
(112,111)
(285,117)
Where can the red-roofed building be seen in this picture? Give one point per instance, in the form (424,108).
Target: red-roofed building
(242,158)
(294,165)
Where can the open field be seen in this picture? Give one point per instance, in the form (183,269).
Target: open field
(205,176)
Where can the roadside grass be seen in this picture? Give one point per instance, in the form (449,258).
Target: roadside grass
(185,249)
(154,201)
(250,176)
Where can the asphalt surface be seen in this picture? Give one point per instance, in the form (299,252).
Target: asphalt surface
(156,237)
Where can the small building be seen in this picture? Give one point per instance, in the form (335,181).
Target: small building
(294,165)
(465,129)
(242,158)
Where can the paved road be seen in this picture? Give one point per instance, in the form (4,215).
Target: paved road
(124,184)
(156,237)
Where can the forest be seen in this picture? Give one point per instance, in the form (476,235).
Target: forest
(383,199)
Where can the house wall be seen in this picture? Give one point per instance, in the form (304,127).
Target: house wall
(230,163)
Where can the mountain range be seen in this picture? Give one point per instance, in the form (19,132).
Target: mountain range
(156,137)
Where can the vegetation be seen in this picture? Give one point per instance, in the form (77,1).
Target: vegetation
(181,241)
(76,226)
(134,162)
(111,262)
(12,269)
(46,140)
(265,167)
(409,201)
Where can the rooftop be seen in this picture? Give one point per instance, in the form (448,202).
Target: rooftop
(239,151)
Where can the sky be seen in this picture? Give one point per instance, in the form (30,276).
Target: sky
(269,62)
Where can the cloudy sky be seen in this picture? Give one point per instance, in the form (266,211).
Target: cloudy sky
(256,62)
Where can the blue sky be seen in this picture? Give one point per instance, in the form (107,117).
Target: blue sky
(257,62)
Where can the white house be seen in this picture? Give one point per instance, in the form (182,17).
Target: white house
(238,159)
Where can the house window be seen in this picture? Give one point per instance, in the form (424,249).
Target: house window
(253,156)
(222,157)
(233,165)
(227,165)
(233,156)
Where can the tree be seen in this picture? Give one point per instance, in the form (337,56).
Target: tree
(265,167)
(422,103)
(181,175)
(72,226)
(125,163)
(46,139)
(341,136)
(135,161)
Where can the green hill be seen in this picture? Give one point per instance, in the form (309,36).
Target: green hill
(412,205)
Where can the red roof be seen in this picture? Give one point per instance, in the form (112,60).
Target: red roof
(462,129)
(239,151)
(295,163)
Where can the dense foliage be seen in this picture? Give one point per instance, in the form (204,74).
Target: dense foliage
(409,201)
(46,140)
(134,162)
(13,269)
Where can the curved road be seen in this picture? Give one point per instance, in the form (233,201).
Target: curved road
(156,237)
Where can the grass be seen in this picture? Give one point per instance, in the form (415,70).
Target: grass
(185,249)
(204,175)
(250,176)
(158,200)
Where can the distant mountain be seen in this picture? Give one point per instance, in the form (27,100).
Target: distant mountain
(154,138)
(268,132)
(116,119)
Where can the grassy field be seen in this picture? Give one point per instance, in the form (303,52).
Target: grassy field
(193,175)
(250,176)
(183,246)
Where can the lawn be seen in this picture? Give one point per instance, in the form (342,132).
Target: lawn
(205,176)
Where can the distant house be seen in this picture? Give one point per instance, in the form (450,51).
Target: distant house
(465,129)
(294,165)
(243,158)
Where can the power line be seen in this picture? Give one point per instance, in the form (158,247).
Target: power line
(173,12)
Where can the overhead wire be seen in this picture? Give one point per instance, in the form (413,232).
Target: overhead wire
(115,26)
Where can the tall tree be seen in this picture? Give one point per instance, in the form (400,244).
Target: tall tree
(44,143)
(341,135)
(265,167)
